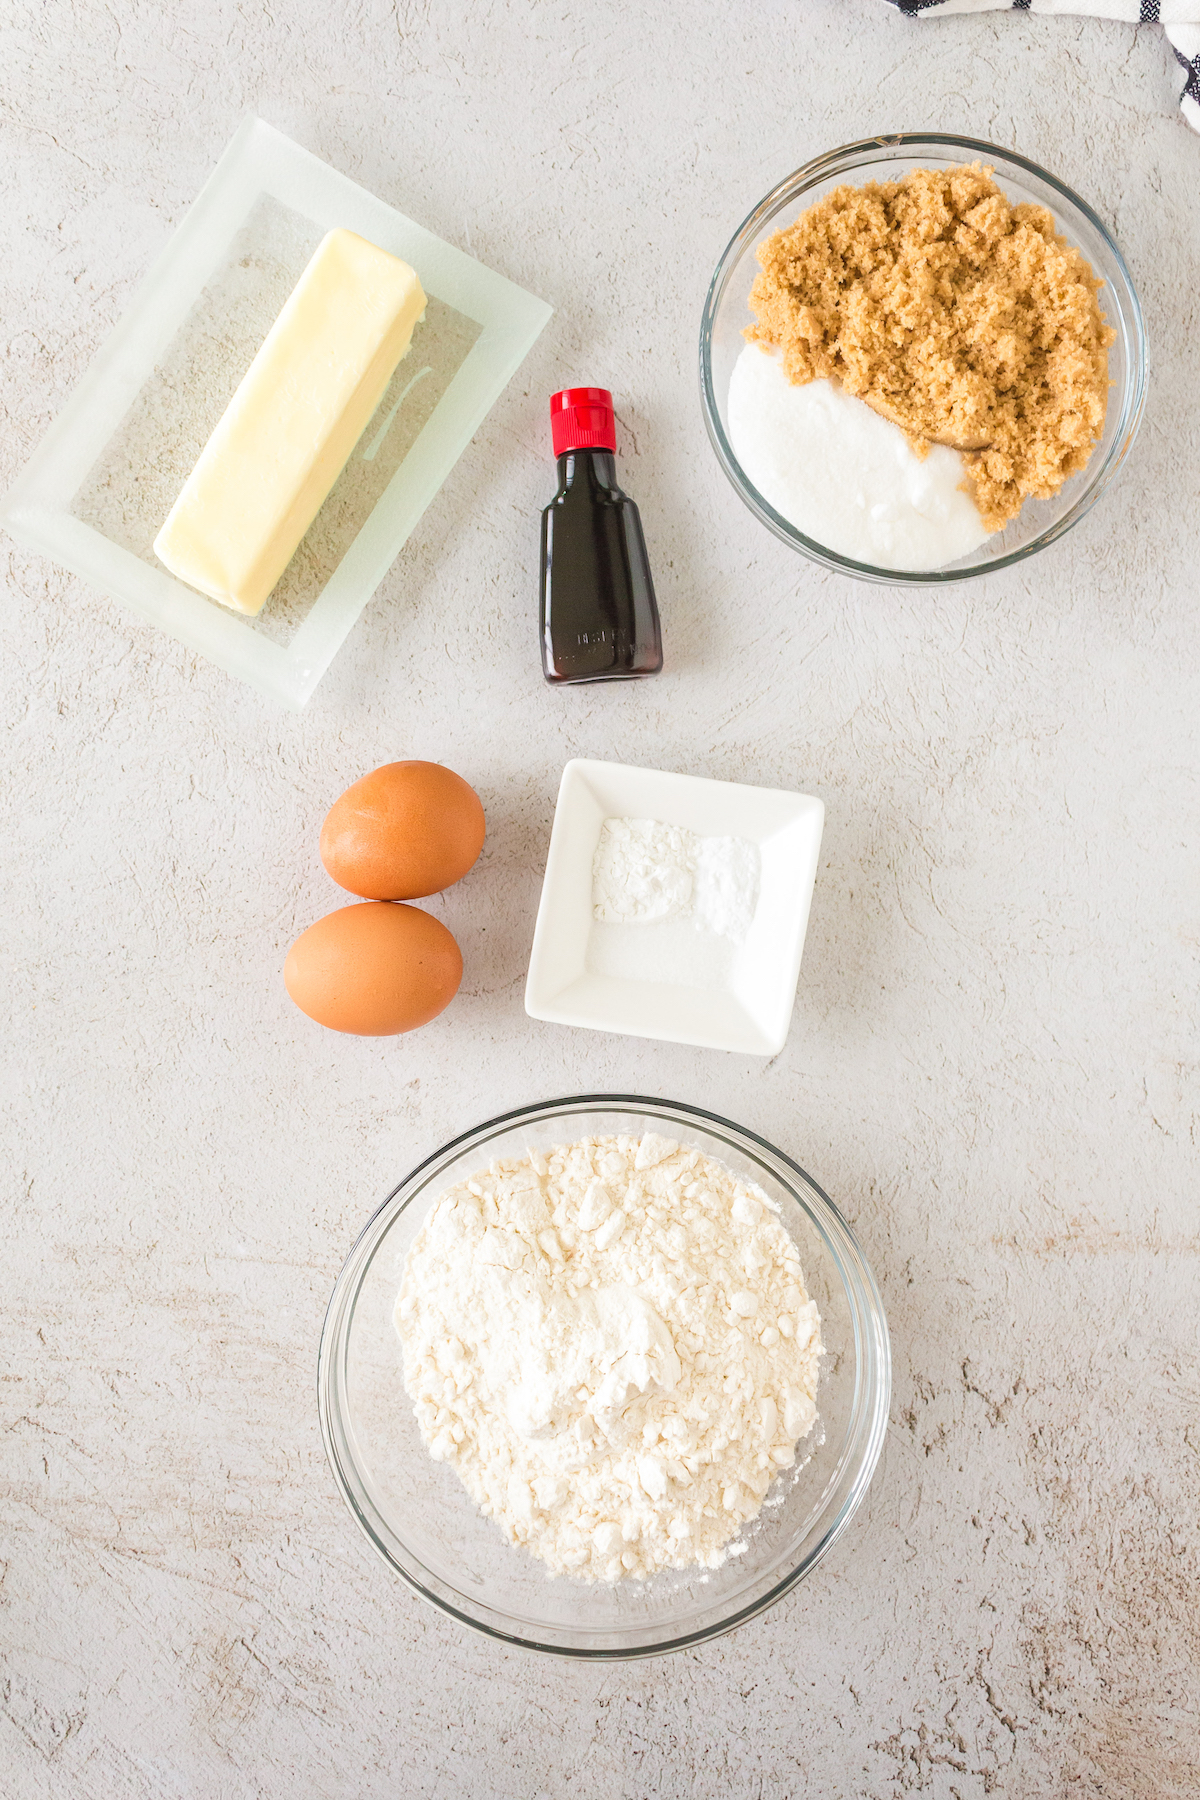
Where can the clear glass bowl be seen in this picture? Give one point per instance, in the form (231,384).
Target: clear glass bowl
(421,1519)
(727,311)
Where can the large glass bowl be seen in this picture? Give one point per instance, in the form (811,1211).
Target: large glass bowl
(421,1519)
(727,311)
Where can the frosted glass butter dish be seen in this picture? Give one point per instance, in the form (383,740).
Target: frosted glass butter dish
(583,972)
(103,480)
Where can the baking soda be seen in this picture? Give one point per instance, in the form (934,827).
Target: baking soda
(668,904)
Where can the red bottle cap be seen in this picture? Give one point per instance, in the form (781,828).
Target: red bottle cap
(582,419)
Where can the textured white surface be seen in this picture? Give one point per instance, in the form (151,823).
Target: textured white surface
(993,1061)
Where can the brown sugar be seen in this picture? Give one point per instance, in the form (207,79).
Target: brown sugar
(962,318)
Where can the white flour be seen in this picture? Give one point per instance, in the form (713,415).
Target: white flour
(645,873)
(614,1347)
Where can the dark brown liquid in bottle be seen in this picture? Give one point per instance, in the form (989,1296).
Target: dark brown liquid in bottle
(599,617)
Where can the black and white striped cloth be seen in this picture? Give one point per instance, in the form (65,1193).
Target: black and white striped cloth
(1179,18)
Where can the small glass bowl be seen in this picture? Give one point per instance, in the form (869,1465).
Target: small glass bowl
(423,1522)
(727,311)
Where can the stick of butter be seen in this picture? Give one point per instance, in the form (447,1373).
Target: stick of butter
(288,432)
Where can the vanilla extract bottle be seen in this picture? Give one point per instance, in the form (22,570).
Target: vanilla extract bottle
(599,619)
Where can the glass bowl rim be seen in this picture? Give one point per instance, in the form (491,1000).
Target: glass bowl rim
(862,154)
(872,1390)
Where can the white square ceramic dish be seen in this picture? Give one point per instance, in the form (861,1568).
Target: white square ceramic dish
(751,1008)
(111,466)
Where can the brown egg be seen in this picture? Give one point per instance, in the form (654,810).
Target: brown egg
(404,831)
(374,969)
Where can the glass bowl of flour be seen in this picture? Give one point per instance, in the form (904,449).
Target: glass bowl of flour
(605,1377)
(838,483)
